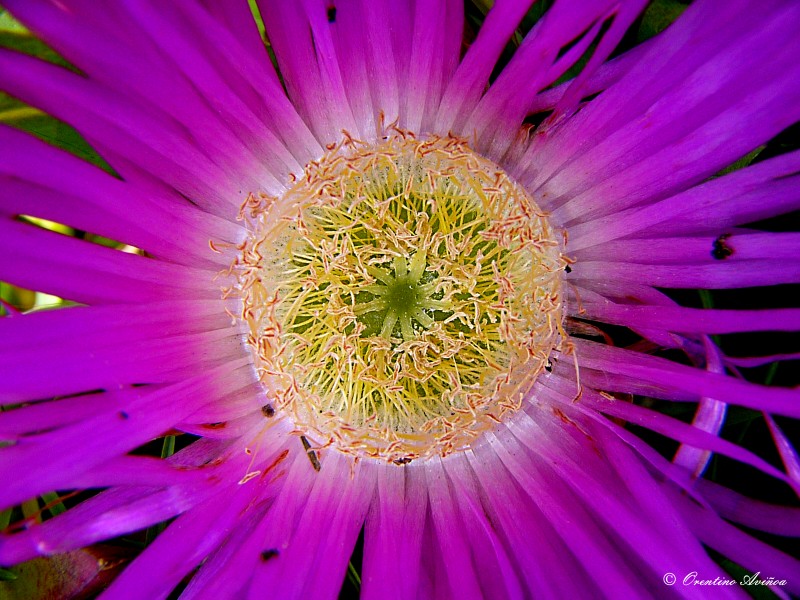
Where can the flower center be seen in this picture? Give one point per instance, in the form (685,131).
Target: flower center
(398,297)
(401,297)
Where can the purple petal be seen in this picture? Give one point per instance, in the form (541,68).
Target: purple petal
(673,136)
(545,563)
(130,62)
(576,519)
(152,361)
(472,75)
(89,273)
(539,62)
(693,320)
(163,214)
(710,417)
(394,528)
(745,550)
(751,194)
(605,75)
(738,246)
(672,380)
(433,59)
(189,540)
(151,138)
(779,520)
(382,66)
(228,572)
(323,536)
(460,571)
(317,94)
(498,576)
(42,463)
(786,450)
(720,275)
(685,433)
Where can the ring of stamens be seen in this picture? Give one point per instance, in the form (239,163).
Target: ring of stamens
(401,297)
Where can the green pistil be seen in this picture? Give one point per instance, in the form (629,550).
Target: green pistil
(400,298)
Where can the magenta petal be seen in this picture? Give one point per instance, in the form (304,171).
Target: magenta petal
(184,38)
(153,140)
(499,576)
(154,363)
(140,415)
(542,58)
(751,194)
(710,416)
(433,58)
(733,245)
(394,527)
(238,20)
(90,273)
(786,450)
(779,520)
(685,433)
(602,78)
(544,560)
(189,540)
(382,62)
(354,63)
(122,509)
(759,361)
(667,546)
(216,112)
(720,275)
(112,513)
(313,565)
(679,318)
(313,82)
(751,553)
(162,213)
(679,378)
(663,88)
(228,573)
(464,90)
(448,525)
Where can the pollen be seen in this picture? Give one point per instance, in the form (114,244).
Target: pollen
(401,298)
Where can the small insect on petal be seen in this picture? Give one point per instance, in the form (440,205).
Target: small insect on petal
(269,554)
(720,248)
(312,455)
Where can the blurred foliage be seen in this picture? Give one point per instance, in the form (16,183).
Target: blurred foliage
(659,15)
(47,128)
(76,575)
(18,114)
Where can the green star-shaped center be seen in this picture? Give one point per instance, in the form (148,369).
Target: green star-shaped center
(400,297)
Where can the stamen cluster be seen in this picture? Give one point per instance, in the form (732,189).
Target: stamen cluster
(401,297)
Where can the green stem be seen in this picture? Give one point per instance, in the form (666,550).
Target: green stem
(353,576)
(54,504)
(708,302)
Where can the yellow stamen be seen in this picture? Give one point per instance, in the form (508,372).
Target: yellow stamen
(402,297)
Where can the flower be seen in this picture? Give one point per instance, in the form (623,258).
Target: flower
(354,285)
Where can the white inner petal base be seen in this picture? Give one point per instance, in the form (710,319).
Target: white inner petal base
(401,297)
